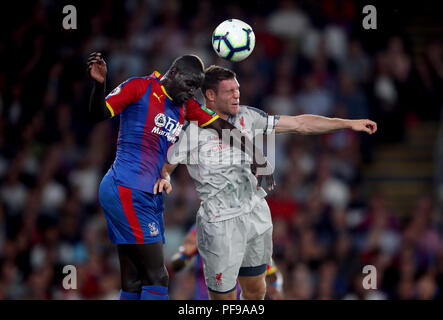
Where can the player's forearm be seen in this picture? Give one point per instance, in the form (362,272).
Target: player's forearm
(97,106)
(311,124)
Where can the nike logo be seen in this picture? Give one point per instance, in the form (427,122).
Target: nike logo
(155,95)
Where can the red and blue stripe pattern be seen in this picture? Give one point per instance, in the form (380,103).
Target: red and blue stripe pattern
(149,124)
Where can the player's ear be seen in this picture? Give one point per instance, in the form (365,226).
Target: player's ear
(210,95)
(173,72)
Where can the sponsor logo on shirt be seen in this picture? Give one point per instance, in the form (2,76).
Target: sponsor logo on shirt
(158,98)
(160,120)
(166,126)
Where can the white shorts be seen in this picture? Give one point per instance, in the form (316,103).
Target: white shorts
(238,246)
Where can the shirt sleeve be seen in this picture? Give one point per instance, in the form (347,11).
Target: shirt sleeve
(196,112)
(125,94)
(262,121)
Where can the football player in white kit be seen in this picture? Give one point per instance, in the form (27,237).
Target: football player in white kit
(234,226)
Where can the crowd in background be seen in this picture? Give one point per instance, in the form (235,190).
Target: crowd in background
(308,59)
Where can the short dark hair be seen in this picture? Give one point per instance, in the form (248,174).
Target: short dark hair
(188,63)
(215,74)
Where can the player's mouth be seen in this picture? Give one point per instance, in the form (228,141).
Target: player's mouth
(183,97)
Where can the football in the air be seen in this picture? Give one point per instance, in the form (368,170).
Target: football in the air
(233,40)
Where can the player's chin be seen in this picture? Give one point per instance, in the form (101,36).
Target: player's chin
(183,98)
(234,108)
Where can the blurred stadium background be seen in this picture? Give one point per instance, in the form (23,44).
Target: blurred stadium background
(343,200)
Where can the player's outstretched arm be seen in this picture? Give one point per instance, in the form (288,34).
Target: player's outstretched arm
(260,166)
(312,124)
(97,71)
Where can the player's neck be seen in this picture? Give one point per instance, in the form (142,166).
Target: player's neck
(165,83)
(220,113)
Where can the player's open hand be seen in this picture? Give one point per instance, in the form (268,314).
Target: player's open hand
(162,184)
(364,125)
(97,67)
(263,170)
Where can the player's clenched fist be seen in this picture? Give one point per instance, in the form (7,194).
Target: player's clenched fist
(97,67)
(364,125)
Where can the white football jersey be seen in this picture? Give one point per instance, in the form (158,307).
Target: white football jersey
(222,174)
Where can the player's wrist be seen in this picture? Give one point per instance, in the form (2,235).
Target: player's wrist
(168,180)
(182,255)
(347,124)
(179,256)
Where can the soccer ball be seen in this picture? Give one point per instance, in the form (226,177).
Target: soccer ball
(233,40)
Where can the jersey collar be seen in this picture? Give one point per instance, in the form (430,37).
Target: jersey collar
(158,76)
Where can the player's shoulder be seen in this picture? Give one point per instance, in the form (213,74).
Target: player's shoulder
(193,104)
(143,80)
(244,109)
(130,87)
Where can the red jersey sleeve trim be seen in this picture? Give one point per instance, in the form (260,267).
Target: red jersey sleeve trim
(210,121)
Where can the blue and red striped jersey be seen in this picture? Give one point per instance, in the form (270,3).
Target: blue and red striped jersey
(149,123)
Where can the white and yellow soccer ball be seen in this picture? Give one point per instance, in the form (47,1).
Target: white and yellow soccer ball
(233,40)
